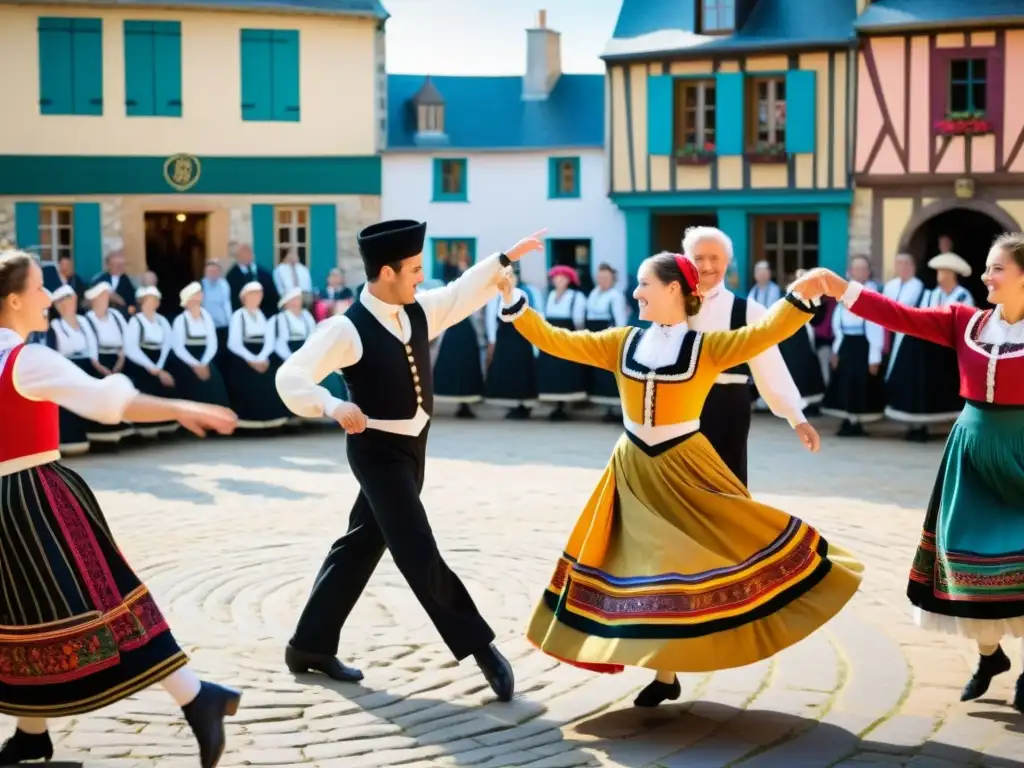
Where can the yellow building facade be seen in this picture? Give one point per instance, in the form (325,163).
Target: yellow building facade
(179,133)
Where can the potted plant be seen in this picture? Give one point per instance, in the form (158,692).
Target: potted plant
(964,124)
(764,152)
(696,155)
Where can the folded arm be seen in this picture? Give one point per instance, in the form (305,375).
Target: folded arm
(600,350)
(452,303)
(334,344)
(726,349)
(934,324)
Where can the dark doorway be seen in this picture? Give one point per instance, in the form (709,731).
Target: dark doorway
(175,252)
(972,233)
(575,254)
(670,228)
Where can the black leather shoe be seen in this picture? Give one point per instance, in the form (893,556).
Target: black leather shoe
(26,746)
(300,662)
(657,692)
(498,672)
(1018,698)
(988,667)
(205,715)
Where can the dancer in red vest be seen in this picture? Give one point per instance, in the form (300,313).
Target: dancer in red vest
(78,629)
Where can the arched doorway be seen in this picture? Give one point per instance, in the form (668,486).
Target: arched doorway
(971,225)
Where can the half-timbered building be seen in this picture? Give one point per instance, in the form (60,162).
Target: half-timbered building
(734,114)
(940,133)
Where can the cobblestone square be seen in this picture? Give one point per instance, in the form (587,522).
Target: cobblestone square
(229,534)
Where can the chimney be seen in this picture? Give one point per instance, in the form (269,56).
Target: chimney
(543,59)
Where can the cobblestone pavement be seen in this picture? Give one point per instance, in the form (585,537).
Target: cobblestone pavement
(229,534)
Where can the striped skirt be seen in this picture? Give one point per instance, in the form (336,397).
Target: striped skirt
(78,629)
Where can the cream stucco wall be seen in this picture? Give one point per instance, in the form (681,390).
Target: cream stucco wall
(338,81)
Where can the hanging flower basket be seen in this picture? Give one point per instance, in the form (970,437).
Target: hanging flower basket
(693,155)
(964,124)
(767,153)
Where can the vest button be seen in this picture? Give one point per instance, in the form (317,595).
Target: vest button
(419,401)
(413,367)
(408,349)
(418,389)
(412,359)
(416,378)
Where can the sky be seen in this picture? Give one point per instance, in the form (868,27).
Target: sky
(488,37)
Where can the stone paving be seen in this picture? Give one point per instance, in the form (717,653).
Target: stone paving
(229,534)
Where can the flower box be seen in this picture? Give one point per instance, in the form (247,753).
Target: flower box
(696,155)
(964,124)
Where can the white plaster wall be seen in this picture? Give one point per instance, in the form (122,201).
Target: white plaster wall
(508,200)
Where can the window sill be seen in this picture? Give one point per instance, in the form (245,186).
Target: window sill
(450,199)
(707,159)
(565,196)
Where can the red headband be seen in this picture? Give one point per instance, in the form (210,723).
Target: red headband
(690,274)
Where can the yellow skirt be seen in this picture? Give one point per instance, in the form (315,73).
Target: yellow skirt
(672,566)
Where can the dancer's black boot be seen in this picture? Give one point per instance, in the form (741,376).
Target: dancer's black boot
(988,667)
(657,692)
(22,747)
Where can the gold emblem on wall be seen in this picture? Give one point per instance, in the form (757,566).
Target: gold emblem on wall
(182,171)
(964,188)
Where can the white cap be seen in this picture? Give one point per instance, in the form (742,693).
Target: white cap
(189,291)
(148,290)
(292,293)
(951,262)
(98,290)
(251,286)
(64,292)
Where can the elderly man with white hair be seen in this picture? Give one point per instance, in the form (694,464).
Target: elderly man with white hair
(725,420)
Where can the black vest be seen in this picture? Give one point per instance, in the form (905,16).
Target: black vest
(383,382)
(737,320)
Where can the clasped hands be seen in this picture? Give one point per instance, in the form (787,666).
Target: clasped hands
(819,282)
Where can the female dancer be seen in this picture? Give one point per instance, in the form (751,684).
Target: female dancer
(562,381)
(802,362)
(110,329)
(147,345)
(968,575)
(672,566)
(251,370)
(194,343)
(72,339)
(292,326)
(79,629)
(511,379)
(606,308)
(458,369)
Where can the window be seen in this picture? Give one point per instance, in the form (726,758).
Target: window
(270,75)
(695,116)
(717,16)
(152,68)
(767,111)
(70,66)
(56,233)
(450,255)
(967,86)
(563,177)
(450,180)
(292,233)
(430,118)
(787,243)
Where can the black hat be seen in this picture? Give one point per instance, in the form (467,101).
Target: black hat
(391,241)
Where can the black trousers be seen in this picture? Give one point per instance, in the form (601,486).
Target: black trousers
(725,422)
(388,514)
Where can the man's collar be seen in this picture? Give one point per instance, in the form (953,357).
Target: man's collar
(380,308)
(715,291)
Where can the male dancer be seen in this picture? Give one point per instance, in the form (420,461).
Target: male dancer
(725,419)
(382,345)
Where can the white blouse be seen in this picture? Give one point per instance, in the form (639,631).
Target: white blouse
(660,344)
(571,305)
(253,328)
(150,333)
(43,374)
(608,305)
(187,328)
(75,343)
(291,327)
(110,330)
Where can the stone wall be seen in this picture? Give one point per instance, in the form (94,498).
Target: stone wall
(861,222)
(6,223)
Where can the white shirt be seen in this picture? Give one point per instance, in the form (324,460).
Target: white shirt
(151,333)
(251,327)
(608,305)
(291,327)
(286,277)
(43,374)
(336,344)
(772,378)
(110,330)
(75,342)
(571,305)
(939,298)
(186,327)
(765,296)
(907,293)
(845,323)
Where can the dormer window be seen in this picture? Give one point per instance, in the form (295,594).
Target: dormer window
(717,17)
(429,104)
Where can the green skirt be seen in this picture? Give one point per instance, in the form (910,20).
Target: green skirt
(968,574)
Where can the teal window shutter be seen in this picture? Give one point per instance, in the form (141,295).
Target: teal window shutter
(263,235)
(801,122)
(736,224)
(88,240)
(563,177)
(323,242)
(285,63)
(167,58)
(26,225)
(660,121)
(87,66)
(56,90)
(729,113)
(139,68)
(257,85)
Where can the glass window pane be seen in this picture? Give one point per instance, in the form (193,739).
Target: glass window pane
(780,89)
(45,237)
(284,215)
(709,95)
(958,69)
(771,231)
(283,235)
(300,235)
(64,236)
(790,261)
(64,217)
(811,232)
(301,250)
(978,69)
(790,232)
(958,98)
(300,215)
(690,94)
(978,97)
